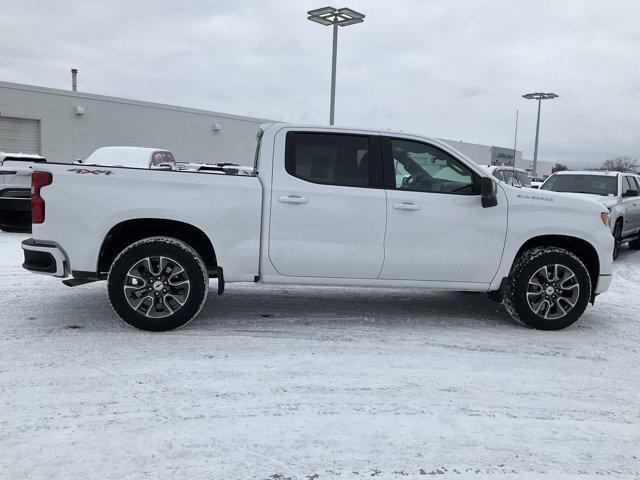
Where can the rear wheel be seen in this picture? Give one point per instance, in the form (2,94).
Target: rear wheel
(617,237)
(157,284)
(548,288)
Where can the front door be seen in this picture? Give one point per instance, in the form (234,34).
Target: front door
(328,208)
(437,229)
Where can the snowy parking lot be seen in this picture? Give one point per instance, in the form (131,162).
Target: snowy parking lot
(280,382)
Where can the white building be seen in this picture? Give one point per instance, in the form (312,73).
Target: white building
(66,125)
(492,155)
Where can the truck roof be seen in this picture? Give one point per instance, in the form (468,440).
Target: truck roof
(491,168)
(21,156)
(123,155)
(588,172)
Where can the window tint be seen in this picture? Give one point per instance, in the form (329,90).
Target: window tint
(168,158)
(156,159)
(423,168)
(581,183)
(523,179)
(329,158)
(628,183)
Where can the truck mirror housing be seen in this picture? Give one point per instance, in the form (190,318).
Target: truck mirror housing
(488,192)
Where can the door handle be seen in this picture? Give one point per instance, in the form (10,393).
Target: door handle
(293,199)
(406,206)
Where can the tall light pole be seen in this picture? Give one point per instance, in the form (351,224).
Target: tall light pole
(538,96)
(338,17)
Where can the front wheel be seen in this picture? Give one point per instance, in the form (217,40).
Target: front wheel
(157,284)
(548,289)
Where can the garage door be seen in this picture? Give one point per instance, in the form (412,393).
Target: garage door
(19,135)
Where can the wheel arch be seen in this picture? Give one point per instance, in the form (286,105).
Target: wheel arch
(578,246)
(127,232)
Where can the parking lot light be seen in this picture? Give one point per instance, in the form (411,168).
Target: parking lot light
(338,17)
(538,96)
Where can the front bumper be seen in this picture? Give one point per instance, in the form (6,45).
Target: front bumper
(44,258)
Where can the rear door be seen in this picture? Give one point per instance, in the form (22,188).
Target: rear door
(436,227)
(328,208)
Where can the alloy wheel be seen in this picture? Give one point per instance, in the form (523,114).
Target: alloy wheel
(156,287)
(553,291)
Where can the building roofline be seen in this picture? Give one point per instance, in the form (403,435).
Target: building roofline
(141,103)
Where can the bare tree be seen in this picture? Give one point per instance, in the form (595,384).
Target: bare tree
(620,164)
(559,167)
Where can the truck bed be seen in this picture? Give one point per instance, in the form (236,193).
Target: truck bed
(83,204)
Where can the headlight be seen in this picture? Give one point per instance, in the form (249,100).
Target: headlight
(605,217)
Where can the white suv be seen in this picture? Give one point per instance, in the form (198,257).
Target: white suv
(619,192)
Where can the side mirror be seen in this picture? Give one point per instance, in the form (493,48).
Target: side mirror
(630,193)
(534,186)
(488,192)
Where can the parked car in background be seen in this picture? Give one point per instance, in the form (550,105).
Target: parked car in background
(536,182)
(510,175)
(15,190)
(320,206)
(133,157)
(618,192)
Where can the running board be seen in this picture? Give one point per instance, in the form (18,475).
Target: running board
(74,282)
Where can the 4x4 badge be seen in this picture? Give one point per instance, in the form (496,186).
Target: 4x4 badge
(85,171)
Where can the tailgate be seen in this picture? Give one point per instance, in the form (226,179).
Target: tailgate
(15,179)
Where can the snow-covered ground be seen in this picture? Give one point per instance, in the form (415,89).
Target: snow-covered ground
(276,383)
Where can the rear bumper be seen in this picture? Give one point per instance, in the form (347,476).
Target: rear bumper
(44,258)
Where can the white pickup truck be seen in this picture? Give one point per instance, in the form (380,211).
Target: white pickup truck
(15,190)
(320,206)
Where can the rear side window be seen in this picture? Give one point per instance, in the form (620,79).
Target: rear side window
(523,179)
(628,183)
(156,159)
(331,159)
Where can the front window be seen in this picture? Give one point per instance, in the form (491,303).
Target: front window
(424,168)
(593,184)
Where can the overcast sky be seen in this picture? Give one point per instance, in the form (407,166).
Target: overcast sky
(442,68)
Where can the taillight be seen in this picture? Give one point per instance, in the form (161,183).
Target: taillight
(38,180)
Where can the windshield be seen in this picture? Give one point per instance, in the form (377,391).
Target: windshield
(594,184)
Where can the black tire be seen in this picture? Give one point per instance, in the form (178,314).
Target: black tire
(635,244)
(169,302)
(617,237)
(521,293)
